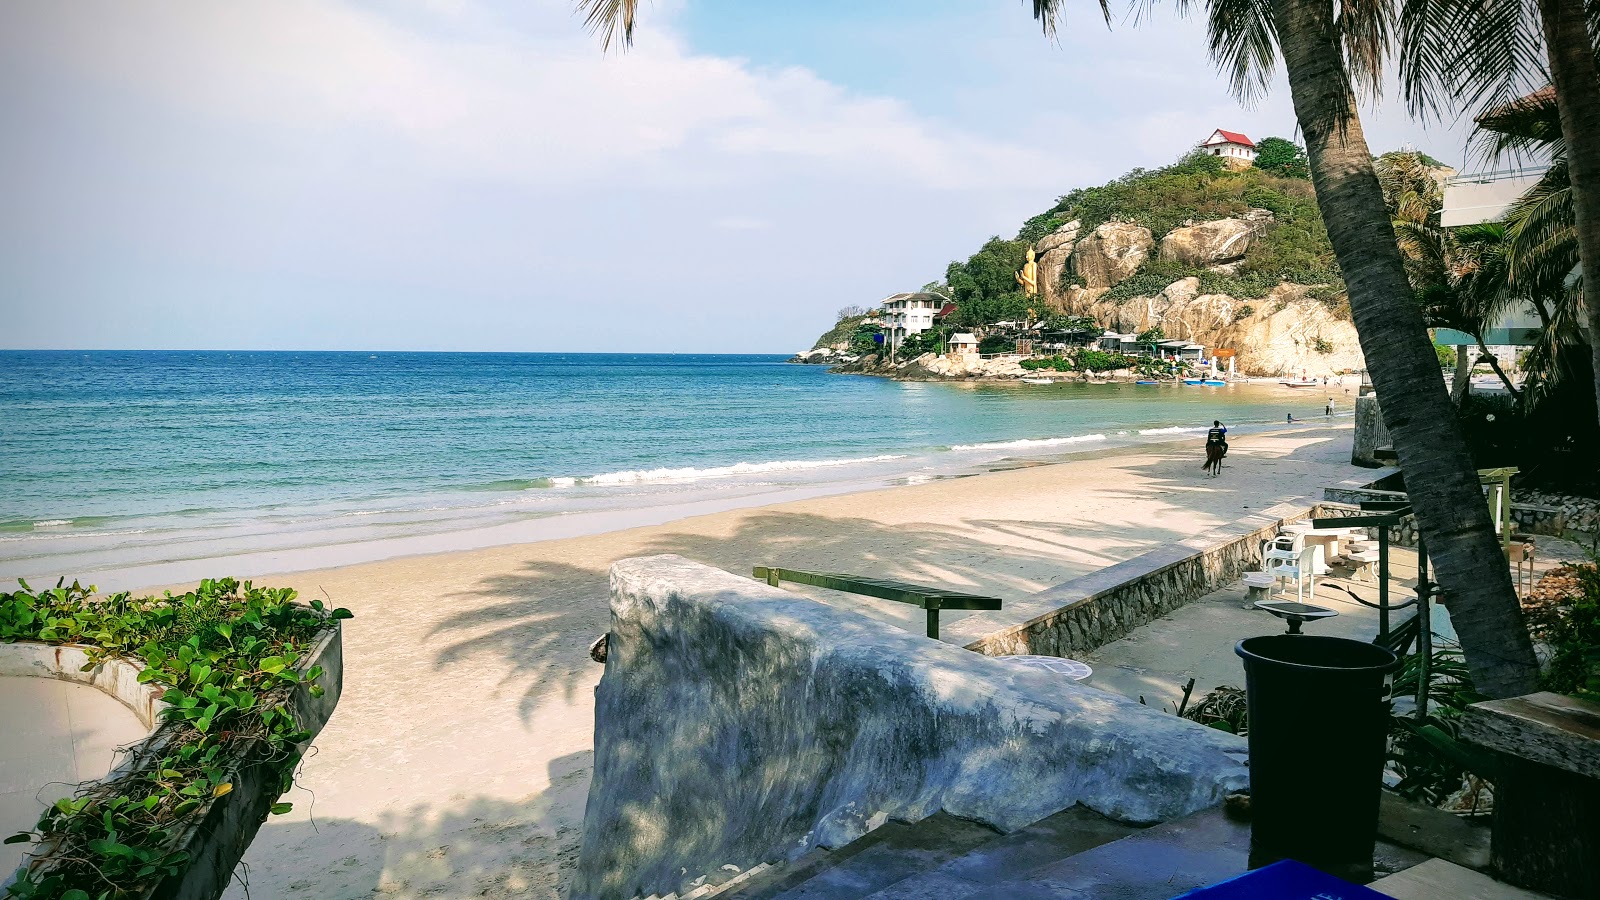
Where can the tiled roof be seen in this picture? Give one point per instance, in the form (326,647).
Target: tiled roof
(1234,137)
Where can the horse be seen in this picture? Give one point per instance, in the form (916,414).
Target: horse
(1214,453)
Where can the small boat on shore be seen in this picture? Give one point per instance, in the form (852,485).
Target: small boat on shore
(1038,381)
(1214,382)
(1300,382)
(1147,382)
(1194,381)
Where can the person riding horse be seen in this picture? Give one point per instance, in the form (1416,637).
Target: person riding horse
(1216,447)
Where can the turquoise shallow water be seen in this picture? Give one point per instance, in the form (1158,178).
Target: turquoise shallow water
(113,459)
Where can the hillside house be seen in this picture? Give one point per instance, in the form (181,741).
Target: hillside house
(910,313)
(1232,146)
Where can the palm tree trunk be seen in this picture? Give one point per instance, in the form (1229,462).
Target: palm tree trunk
(1572,71)
(1494,363)
(1461,384)
(1439,475)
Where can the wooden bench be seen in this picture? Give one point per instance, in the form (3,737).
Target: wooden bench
(931,599)
(1546,833)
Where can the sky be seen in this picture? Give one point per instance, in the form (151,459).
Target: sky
(479,175)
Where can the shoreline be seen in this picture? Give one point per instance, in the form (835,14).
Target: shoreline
(271,563)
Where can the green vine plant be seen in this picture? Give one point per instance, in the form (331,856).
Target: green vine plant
(229,656)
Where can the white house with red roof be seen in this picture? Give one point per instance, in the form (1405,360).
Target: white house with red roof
(1231,145)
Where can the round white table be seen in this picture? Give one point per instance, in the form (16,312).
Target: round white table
(1071,668)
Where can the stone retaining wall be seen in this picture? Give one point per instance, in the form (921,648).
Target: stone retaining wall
(1082,614)
(1527,518)
(739,724)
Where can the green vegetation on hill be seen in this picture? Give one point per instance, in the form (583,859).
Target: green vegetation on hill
(985,286)
(843,331)
(1282,157)
(1196,188)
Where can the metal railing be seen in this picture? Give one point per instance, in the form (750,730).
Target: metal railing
(1496,175)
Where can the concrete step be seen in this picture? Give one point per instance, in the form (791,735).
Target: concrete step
(1067,833)
(888,854)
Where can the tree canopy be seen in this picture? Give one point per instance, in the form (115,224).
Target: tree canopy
(1282,157)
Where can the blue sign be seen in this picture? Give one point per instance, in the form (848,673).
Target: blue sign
(877,338)
(1286,880)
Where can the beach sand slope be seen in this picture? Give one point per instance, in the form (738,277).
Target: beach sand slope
(458,761)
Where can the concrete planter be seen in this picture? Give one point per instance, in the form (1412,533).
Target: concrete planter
(221,831)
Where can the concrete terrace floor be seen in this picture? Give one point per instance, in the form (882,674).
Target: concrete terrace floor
(1197,640)
(60,734)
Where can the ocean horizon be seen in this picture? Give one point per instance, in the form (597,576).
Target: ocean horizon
(153,464)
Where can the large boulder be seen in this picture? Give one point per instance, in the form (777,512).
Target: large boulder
(738,724)
(1054,250)
(1111,253)
(1061,237)
(1217,242)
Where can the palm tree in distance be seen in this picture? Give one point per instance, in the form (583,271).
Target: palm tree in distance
(1245,39)
(1459,56)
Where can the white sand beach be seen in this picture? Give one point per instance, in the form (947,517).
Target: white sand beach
(458,760)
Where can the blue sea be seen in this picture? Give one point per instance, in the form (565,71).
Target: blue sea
(137,462)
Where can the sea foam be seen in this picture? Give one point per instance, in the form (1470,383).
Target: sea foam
(1176,429)
(1032,442)
(690,473)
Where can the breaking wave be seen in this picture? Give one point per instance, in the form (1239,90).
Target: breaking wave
(1032,442)
(690,473)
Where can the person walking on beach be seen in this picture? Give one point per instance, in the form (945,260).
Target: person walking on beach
(1329,412)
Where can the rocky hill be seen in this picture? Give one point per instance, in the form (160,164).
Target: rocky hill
(1228,258)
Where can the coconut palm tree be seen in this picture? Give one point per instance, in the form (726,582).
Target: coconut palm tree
(1458,276)
(1327,58)
(1541,254)
(1485,54)
(1329,54)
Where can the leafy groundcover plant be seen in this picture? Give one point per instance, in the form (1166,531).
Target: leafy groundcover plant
(228,655)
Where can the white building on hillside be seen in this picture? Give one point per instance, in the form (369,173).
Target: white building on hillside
(910,313)
(1232,146)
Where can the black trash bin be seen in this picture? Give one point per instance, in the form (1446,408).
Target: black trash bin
(1318,713)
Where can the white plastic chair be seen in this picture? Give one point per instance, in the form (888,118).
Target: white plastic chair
(1297,565)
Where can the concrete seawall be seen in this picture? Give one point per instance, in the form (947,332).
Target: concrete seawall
(738,724)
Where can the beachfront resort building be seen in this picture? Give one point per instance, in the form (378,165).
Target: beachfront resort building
(1128,345)
(1232,146)
(1473,199)
(962,344)
(910,313)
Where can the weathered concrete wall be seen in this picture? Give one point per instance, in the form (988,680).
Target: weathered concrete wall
(1371,433)
(1079,615)
(737,723)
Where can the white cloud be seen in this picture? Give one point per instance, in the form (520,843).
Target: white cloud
(535,107)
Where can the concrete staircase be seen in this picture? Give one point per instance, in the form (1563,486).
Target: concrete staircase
(1075,854)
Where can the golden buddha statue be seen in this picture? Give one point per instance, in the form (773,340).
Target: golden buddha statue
(1029,276)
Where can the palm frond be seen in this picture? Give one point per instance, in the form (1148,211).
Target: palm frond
(1366,30)
(1243,42)
(1541,229)
(611,19)
(1456,56)
(1048,12)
